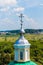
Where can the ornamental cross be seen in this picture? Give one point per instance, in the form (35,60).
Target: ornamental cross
(21,16)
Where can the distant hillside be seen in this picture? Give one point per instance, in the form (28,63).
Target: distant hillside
(26,30)
(34,30)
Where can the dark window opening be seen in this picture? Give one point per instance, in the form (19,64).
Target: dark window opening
(21,55)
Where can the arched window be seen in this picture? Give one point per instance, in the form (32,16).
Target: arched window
(21,55)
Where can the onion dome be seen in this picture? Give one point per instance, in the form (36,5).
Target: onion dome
(22,40)
(22,43)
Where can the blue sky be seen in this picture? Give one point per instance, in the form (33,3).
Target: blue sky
(11,9)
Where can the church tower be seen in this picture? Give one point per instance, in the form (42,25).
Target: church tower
(22,49)
(22,46)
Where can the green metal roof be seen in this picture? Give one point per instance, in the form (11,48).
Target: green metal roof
(22,63)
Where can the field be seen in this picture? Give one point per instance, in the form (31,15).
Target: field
(7,49)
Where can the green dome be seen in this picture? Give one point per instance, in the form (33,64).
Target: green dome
(22,63)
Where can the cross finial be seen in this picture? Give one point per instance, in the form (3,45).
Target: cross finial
(21,16)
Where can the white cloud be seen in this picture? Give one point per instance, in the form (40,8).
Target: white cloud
(17,14)
(5,23)
(19,9)
(7,2)
(8,24)
(32,23)
(32,3)
(4,9)
(41,4)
